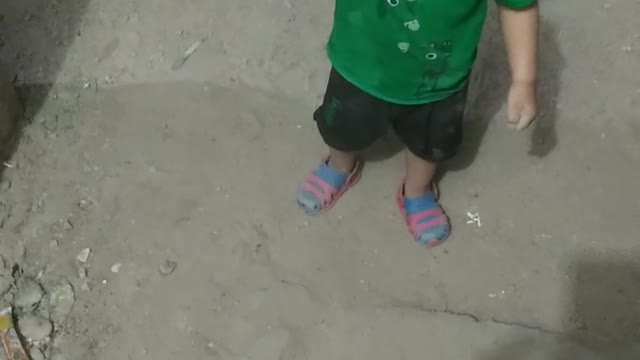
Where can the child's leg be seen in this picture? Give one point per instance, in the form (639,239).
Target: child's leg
(419,175)
(432,133)
(419,202)
(343,161)
(349,120)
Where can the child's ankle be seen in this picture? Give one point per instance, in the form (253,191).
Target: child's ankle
(342,164)
(415,191)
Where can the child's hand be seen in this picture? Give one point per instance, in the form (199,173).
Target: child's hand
(521,107)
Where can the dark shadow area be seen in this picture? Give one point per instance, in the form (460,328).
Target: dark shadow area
(384,148)
(606,303)
(489,87)
(34,38)
(11,111)
(603,322)
(544,136)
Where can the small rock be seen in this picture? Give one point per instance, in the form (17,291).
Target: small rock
(61,300)
(43,310)
(6,280)
(37,354)
(85,204)
(83,256)
(34,328)
(8,298)
(41,272)
(54,244)
(82,272)
(116,268)
(167,267)
(29,295)
(5,185)
(68,225)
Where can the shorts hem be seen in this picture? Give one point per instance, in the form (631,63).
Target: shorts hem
(435,97)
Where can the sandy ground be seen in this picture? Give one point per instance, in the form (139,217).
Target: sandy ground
(195,169)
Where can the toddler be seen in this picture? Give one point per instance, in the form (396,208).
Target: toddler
(406,63)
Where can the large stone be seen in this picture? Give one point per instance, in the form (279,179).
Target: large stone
(29,295)
(10,112)
(37,354)
(34,328)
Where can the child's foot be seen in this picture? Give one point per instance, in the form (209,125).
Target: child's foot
(427,221)
(320,191)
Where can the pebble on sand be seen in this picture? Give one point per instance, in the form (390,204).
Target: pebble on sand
(5,185)
(61,300)
(167,267)
(83,256)
(36,354)
(29,295)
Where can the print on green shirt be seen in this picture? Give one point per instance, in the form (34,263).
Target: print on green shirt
(437,57)
(408,51)
(385,6)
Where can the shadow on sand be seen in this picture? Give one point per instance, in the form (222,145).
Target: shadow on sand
(34,38)
(488,93)
(603,322)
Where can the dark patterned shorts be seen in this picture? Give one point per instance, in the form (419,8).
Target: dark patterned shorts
(350,120)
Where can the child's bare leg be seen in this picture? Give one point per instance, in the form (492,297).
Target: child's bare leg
(342,160)
(419,176)
(348,119)
(427,221)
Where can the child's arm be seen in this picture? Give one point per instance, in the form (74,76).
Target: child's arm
(520,29)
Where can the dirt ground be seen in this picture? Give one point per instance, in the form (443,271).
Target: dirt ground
(181,182)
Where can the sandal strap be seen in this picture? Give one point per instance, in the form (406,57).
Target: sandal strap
(319,194)
(322,184)
(419,228)
(419,217)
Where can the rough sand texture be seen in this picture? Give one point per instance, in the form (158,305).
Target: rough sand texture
(144,165)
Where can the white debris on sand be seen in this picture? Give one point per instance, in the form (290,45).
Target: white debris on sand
(61,300)
(83,256)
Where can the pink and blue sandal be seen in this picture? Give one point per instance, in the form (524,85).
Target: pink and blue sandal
(426,220)
(322,188)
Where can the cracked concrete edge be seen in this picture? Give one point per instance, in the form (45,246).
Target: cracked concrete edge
(474,318)
(546,338)
(415,329)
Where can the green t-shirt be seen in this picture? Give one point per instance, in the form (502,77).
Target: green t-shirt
(408,51)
